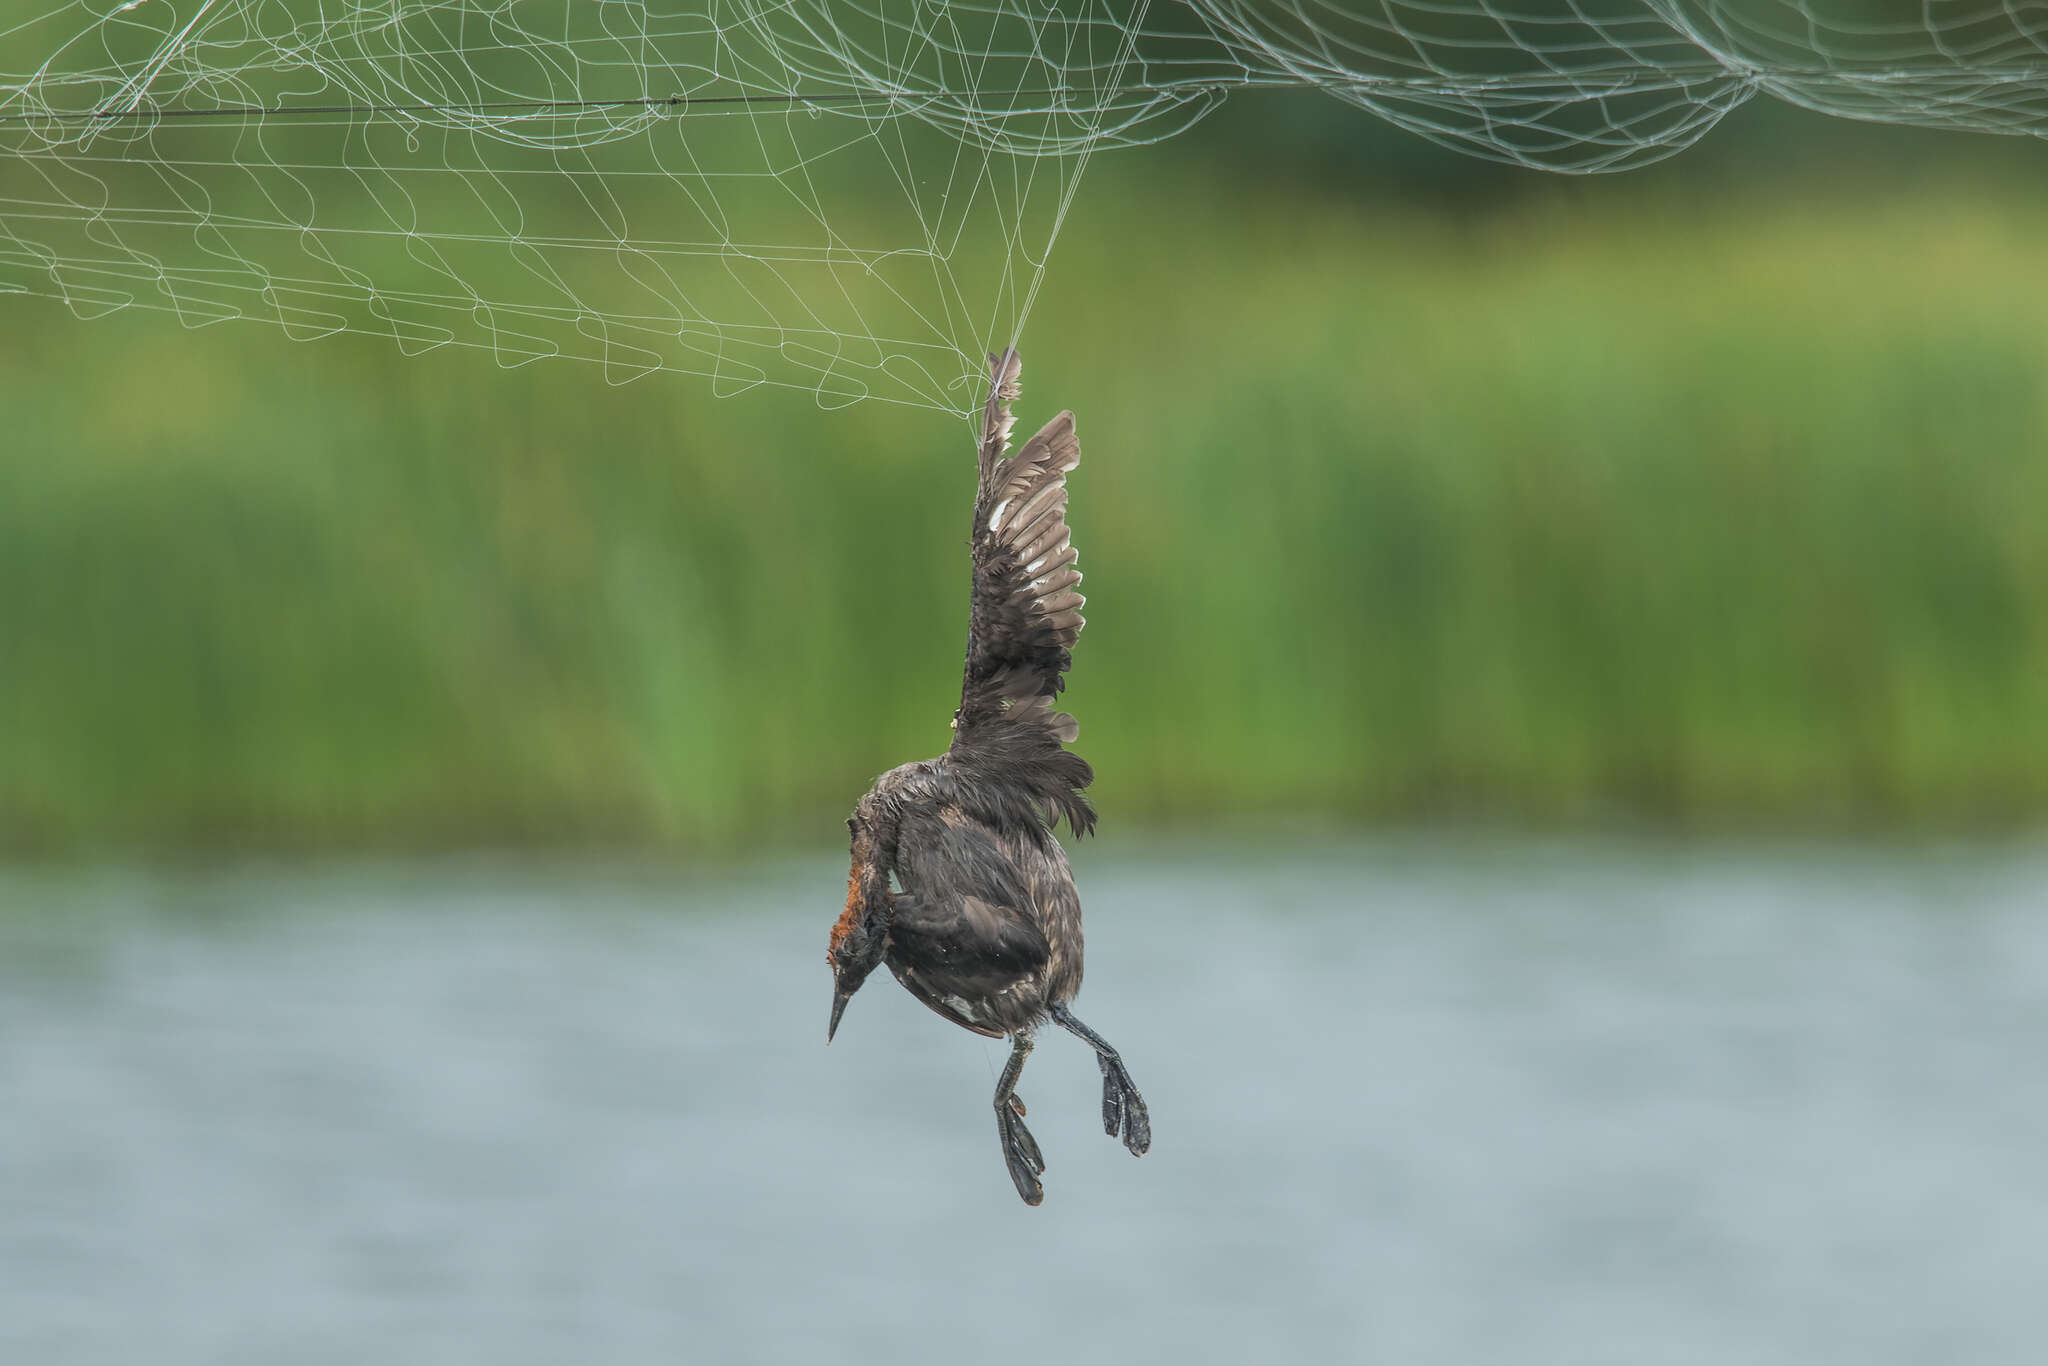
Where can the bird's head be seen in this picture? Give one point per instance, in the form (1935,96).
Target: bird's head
(861,933)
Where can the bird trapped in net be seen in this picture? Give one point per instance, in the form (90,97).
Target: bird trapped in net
(987,927)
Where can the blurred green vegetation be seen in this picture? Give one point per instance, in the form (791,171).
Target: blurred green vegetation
(1589,503)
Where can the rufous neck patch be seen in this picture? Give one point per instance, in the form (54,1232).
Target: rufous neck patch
(851,915)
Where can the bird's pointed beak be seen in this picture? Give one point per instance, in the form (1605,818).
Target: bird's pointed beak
(839,1000)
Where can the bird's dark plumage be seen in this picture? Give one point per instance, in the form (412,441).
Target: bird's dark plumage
(986,926)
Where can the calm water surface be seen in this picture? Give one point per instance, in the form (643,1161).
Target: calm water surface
(1429,1103)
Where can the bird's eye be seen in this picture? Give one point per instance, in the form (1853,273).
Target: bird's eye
(852,826)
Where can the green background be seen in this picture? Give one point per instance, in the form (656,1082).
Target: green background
(1415,489)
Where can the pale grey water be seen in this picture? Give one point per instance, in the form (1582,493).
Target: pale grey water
(1429,1103)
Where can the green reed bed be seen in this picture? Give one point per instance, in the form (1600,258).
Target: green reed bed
(1726,518)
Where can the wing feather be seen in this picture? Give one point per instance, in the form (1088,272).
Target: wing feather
(1025,611)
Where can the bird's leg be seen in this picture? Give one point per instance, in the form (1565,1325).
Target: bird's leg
(1020,1150)
(1123,1109)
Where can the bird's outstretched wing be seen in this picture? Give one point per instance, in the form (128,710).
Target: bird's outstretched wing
(1026,611)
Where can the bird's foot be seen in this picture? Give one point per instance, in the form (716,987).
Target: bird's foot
(1020,1150)
(1124,1114)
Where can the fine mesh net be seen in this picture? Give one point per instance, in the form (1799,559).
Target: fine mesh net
(852,197)
(761,194)
(1602,85)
